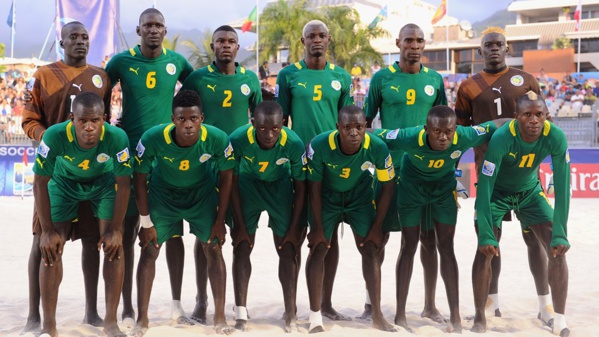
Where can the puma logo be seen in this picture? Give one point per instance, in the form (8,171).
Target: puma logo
(40,162)
(513,154)
(169,159)
(70,158)
(419,157)
(310,170)
(250,159)
(395,88)
(211,87)
(495,89)
(134,70)
(138,160)
(331,165)
(127,164)
(302,84)
(77,86)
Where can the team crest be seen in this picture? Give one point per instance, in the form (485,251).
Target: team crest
(140,149)
(567,156)
(429,90)
(97,81)
(171,69)
(388,161)
(480,130)
(392,134)
(488,168)
(204,158)
(30,84)
(123,156)
(336,85)
(304,159)
(366,165)
(517,80)
(310,152)
(282,161)
(229,150)
(43,149)
(102,158)
(245,89)
(455,154)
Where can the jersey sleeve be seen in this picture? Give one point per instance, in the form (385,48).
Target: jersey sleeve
(346,92)
(374,98)
(50,147)
(383,162)
(477,134)
(145,154)
(256,93)
(441,98)
(223,151)
(463,107)
(32,114)
(192,81)
(112,69)
(122,157)
(560,158)
(298,160)
(283,93)
(238,151)
(315,164)
(397,139)
(186,68)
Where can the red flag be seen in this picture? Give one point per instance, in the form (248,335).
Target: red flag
(577,15)
(25,162)
(249,21)
(440,13)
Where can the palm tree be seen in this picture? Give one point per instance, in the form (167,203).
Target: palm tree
(171,44)
(201,54)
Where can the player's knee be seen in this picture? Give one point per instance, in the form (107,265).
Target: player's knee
(369,250)
(242,250)
(150,253)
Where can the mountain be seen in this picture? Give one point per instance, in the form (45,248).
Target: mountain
(499,18)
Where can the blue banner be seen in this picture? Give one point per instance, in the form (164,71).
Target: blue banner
(100,17)
(14,175)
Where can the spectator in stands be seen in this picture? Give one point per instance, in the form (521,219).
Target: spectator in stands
(577,100)
(11,130)
(568,78)
(359,91)
(596,90)
(576,85)
(356,71)
(543,78)
(589,98)
(5,108)
(569,93)
(375,67)
(264,72)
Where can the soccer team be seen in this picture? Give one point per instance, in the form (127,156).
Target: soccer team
(307,159)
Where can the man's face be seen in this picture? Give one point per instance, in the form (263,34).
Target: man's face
(352,128)
(75,42)
(268,128)
(188,121)
(152,30)
(88,122)
(531,118)
(411,44)
(440,132)
(316,40)
(225,46)
(493,49)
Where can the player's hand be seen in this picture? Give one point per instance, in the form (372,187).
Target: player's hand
(147,236)
(219,233)
(489,250)
(112,241)
(290,237)
(375,235)
(240,234)
(27,97)
(559,250)
(50,247)
(315,238)
(461,191)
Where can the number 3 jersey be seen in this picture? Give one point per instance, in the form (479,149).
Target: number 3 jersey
(173,166)
(60,155)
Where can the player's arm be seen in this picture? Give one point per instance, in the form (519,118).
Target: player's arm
(256,93)
(112,239)
(32,123)
(298,162)
(142,165)
(561,172)
(113,71)
(441,98)
(187,68)
(396,139)
(463,107)
(283,95)
(373,100)
(238,231)
(225,162)
(346,97)
(315,174)
(107,100)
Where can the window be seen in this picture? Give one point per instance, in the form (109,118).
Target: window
(517,48)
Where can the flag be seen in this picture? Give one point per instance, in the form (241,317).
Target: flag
(249,21)
(440,13)
(11,15)
(380,17)
(577,15)
(25,161)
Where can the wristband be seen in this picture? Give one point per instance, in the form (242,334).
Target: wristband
(145,221)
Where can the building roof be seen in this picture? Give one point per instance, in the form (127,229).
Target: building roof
(536,5)
(547,32)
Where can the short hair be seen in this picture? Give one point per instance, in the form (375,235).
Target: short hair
(409,26)
(440,111)
(350,110)
(187,99)
(68,26)
(529,96)
(314,23)
(150,11)
(268,108)
(493,30)
(88,100)
(225,28)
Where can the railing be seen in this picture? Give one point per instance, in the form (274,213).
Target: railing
(580,130)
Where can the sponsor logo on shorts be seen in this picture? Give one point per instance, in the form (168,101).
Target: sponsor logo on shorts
(140,149)
(392,134)
(204,158)
(245,89)
(282,161)
(310,152)
(43,149)
(388,161)
(488,168)
(455,154)
(229,150)
(517,80)
(480,130)
(429,90)
(123,156)
(171,69)
(30,84)
(567,156)
(336,85)
(97,81)
(102,158)
(366,165)
(276,90)
(304,159)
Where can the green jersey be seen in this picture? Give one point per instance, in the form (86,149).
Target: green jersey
(148,86)
(225,98)
(512,165)
(423,164)
(340,172)
(60,155)
(183,167)
(313,97)
(403,99)
(286,158)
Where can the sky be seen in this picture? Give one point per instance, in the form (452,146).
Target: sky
(34,17)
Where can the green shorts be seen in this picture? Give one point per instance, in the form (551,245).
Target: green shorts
(422,203)
(531,207)
(65,196)
(170,206)
(355,207)
(274,197)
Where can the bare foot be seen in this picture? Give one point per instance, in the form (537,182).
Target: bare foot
(454,327)
(241,325)
(290,322)
(333,315)
(185,320)
(402,322)
(139,331)
(291,327)
(224,329)
(33,324)
(383,325)
(128,322)
(127,315)
(93,319)
(434,315)
(113,331)
(479,327)
(199,313)
(367,314)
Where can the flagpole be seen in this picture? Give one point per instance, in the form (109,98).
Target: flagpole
(257,38)
(578,31)
(447,34)
(12,28)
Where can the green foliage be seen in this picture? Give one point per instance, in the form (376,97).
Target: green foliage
(562,42)
(2,68)
(201,54)
(171,44)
